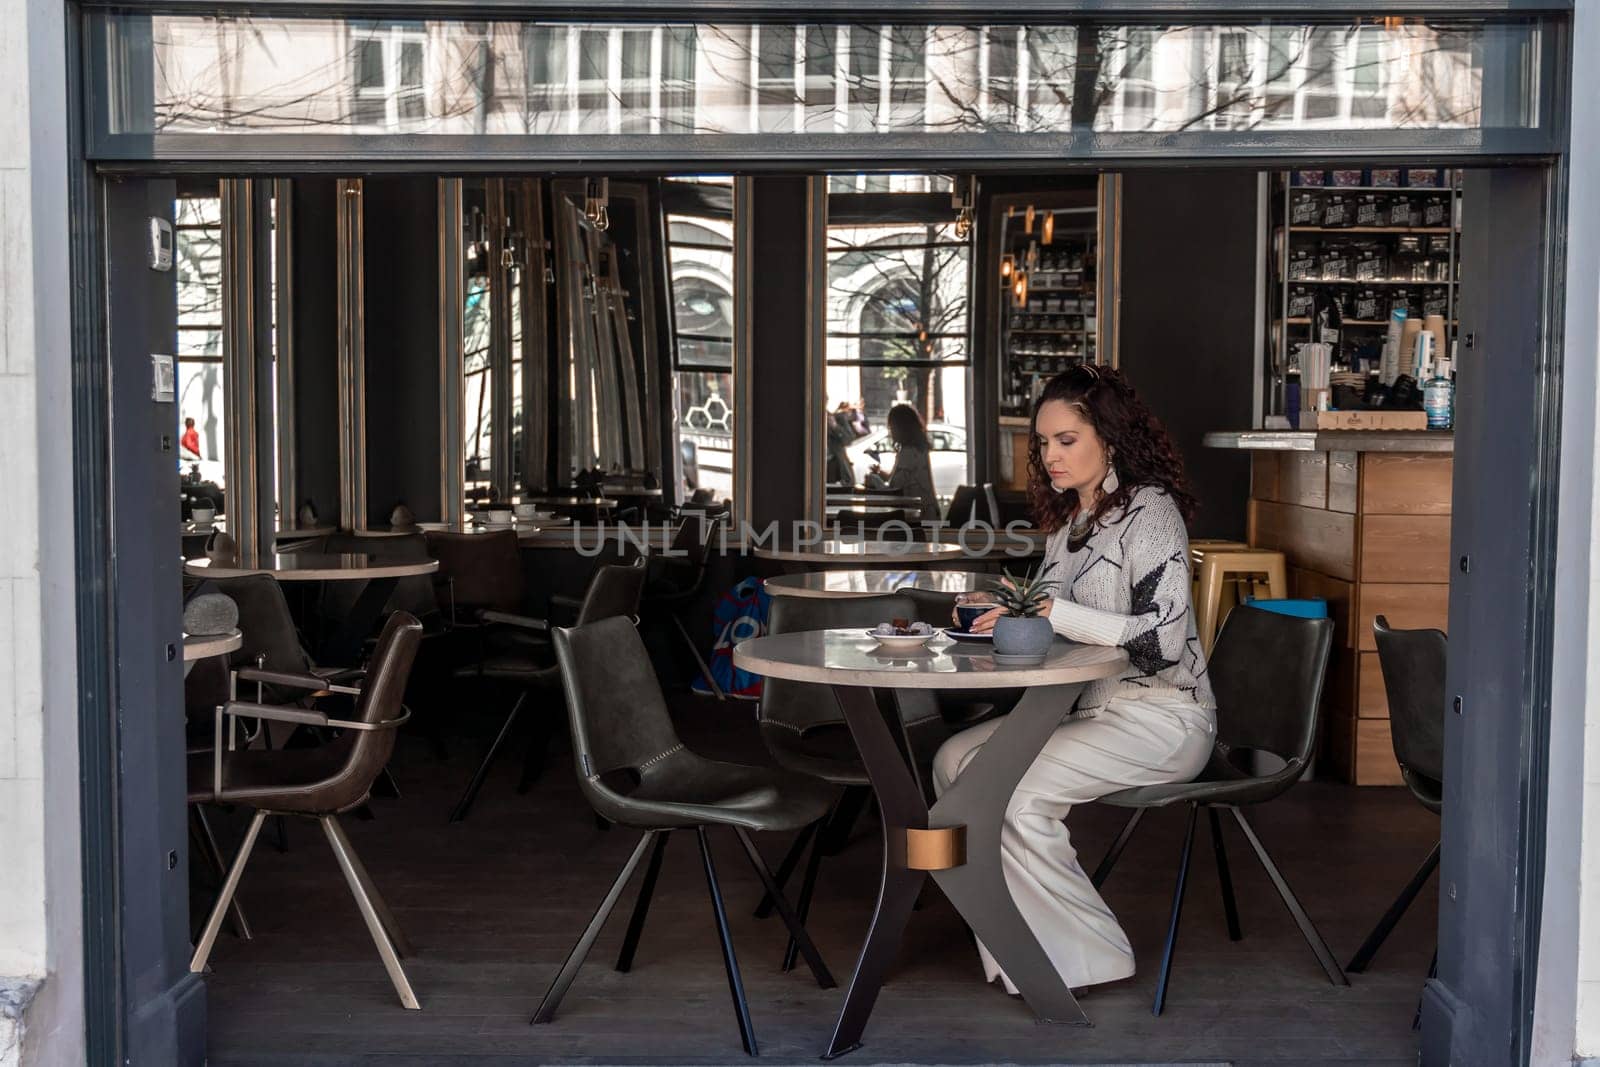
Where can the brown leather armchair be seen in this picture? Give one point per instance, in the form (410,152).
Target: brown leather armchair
(316,783)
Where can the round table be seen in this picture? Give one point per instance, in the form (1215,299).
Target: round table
(874,583)
(315,567)
(957,840)
(572,501)
(343,645)
(199,646)
(878,553)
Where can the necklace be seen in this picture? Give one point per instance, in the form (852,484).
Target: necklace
(1079,528)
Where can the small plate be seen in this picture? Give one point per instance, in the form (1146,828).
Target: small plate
(906,643)
(963,635)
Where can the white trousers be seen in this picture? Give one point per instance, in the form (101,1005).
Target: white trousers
(1149,740)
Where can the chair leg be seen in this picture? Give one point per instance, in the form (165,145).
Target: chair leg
(391,926)
(369,907)
(536,754)
(802,909)
(1224,878)
(730,962)
(1102,872)
(641,907)
(1177,913)
(1330,966)
(230,885)
(1380,933)
(835,833)
(797,930)
(791,860)
(464,805)
(213,854)
(569,970)
(699,660)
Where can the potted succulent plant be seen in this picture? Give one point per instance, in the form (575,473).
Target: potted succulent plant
(1021,630)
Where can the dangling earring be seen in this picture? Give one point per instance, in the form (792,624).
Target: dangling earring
(1110,483)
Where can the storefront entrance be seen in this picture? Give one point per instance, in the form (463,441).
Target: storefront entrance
(144,1004)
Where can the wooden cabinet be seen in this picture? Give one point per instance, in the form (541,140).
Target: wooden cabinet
(1370,533)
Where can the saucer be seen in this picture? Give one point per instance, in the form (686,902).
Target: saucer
(901,643)
(963,635)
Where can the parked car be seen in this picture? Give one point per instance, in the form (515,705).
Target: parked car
(949,456)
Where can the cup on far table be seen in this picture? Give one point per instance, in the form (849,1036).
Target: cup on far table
(203,516)
(526,512)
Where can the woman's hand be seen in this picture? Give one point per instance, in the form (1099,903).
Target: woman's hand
(985,623)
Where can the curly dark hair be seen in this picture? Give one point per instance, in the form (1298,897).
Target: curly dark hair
(1143,449)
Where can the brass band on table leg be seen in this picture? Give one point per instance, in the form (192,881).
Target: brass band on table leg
(936,850)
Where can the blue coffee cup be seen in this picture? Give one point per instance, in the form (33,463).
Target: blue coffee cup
(970,613)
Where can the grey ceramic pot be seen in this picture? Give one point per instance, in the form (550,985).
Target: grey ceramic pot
(1022,637)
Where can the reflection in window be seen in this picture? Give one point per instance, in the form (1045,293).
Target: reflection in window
(700,272)
(897,334)
(197,259)
(211,75)
(388,75)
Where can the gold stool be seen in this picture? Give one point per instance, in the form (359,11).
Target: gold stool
(1197,550)
(1263,570)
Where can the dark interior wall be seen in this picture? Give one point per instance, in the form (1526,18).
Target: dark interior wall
(1188,322)
(985,290)
(401,223)
(778,349)
(315,329)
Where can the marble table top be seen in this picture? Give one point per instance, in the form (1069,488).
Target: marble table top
(873,583)
(850,657)
(314,567)
(199,646)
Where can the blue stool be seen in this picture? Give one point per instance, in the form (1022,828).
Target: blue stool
(1306,608)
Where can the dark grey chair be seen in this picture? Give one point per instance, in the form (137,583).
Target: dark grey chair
(804,728)
(1266,671)
(964,707)
(635,772)
(677,579)
(318,783)
(1413,677)
(614,590)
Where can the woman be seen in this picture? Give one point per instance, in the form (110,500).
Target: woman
(913,468)
(1107,486)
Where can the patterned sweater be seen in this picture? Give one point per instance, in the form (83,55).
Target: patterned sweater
(1129,586)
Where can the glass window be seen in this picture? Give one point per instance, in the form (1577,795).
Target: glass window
(700,272)
(201,74)
(202,408)
(898,334)
(388,74)
(776,96)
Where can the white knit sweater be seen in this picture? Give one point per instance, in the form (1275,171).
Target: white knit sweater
(1128,586)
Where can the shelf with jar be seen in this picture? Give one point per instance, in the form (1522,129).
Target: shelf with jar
(1349,248)
(1048,296)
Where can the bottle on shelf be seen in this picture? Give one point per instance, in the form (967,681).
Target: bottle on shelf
(1439,397)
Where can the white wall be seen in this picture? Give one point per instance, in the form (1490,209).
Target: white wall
(1567,1007)
(40,898)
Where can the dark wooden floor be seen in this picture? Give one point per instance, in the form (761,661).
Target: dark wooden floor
(494,904)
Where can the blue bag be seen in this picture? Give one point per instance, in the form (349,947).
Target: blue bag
(740,614)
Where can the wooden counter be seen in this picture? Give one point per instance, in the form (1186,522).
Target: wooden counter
(1366,525)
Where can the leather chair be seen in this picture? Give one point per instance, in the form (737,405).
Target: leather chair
(1413,663)
(677,580)
(804,729)
(1267,671)
(973,504)
(614,590)
(635,771)
(315,783)
(965,707)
